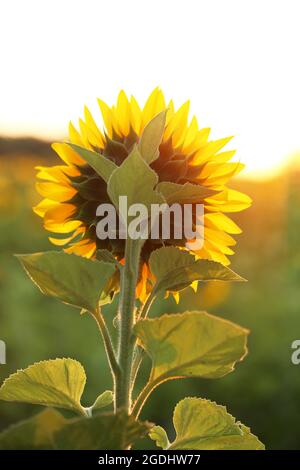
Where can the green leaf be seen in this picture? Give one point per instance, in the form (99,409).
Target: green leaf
(204,425)
(73,279)
(111,288)
(49,430)
(136,180)
(103,400)
(159,435)
(191,344)
(35,433)
(175,269)
(107,257)
(151,137)
(101,432)
(183,193)
(102,165)
(58,382)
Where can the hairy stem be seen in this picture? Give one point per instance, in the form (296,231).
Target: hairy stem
(138,351)
(129,278)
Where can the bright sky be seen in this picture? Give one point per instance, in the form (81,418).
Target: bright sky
(238,62)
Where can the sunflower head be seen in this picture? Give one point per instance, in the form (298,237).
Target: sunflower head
(73,190)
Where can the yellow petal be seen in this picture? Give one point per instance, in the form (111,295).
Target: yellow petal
(115,122)
(93,128)
(60,241)
(67,154)
(215,254)
(135,115)
(224,157)
(154,105)
(66,227)
(85,134)
(56,192)
(191,134)
(170,113)
(178,123)
(74,135)
(42,207)
(122,112)
(222,222)
(219,258)
(218,236)
(64,241)
(141,288)
(209,149)
(216,175)
(60,213)
(90,140)
(194,286)
(221,176)
(106,115)
(197,144)
(228,200)
(87,250)
(219,247)
(57,173)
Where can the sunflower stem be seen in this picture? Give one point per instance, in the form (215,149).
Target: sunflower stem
(139,352)
(126,342)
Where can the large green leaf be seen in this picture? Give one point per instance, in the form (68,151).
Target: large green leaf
(49,430)
(191,344)
(136,180)
(105,431)
(175,269)
(183,193)
(73,279)
(35,433)
(204,425)
(102,165)
(58,382)
(151,137)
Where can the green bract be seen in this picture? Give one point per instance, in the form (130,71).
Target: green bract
(151,137)
(102,166)
(175,269)
(183,193)
(135,180)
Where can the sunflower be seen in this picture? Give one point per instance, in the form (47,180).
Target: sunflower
(73,190)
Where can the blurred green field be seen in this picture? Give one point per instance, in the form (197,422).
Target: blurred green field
(263,392)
